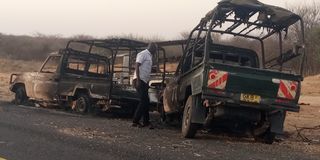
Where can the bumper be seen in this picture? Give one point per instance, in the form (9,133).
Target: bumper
(266,104)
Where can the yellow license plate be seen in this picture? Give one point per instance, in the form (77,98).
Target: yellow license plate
(250,98)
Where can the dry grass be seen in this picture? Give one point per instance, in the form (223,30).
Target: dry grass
(10,66)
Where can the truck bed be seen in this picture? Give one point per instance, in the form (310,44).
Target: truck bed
(252,87)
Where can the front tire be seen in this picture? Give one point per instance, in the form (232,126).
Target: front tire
(188,128)
(82,104)
(20,96)
(267,137)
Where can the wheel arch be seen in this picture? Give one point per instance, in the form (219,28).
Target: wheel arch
(14,87)
(79,91)
(188,93)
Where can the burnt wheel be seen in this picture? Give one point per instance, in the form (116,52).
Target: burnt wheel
(189,129)
(267,137)
(20,96)
(163,116)
(82,103)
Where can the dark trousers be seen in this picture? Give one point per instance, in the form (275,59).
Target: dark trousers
(143,107)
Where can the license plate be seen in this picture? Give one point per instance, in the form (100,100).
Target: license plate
(250,98)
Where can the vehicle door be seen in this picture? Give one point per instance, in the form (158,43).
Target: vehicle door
(73,73)
(98,76)
(45,83)
(190,72)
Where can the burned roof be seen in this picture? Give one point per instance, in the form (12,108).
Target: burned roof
(251,13)
(121,44)
(112,43)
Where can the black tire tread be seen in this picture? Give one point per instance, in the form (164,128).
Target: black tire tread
(190,130)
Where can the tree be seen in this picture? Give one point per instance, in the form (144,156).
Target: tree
(311,17)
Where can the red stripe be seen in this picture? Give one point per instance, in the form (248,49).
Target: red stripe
(285,91)
(219,81)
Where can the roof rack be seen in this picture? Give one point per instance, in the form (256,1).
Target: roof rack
(249,19)
(111,44)
(245,16)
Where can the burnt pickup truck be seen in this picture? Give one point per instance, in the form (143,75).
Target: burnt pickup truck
(222,85)
(89,75)
(70,78)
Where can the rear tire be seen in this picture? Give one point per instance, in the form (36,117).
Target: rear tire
(20,96)
(267,137)
(188,128)
(82,103)
(163,116)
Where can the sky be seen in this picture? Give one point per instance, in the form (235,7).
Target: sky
(165,19)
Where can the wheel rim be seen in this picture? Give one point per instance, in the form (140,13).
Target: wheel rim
(81,105)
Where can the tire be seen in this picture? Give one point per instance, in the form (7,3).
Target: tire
(168,118)
(267,137)
(20,96)
(188,128)
(82,103)
(163,116)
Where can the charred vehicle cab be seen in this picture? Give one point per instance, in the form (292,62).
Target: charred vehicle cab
(218,84)
(69,77)
(123,93)
(89,74)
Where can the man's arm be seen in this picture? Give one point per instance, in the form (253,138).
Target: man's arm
(137,73)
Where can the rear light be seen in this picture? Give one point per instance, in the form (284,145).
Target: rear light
(217,79)
(287,89)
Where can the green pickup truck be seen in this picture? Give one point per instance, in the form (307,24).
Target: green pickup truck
(217,84)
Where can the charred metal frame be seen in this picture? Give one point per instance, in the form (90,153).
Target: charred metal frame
(123,45)
(211,23)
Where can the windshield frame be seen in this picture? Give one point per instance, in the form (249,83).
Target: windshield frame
(46,62)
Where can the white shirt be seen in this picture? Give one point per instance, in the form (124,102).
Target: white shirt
(145,60)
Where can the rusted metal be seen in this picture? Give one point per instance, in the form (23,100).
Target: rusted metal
(65,85)
(241,13)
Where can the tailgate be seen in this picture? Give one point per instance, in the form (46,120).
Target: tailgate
(251,86)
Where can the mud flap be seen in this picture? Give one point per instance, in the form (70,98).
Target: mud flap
(198,111)
(277,122)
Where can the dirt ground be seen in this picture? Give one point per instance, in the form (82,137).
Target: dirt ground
(302,130)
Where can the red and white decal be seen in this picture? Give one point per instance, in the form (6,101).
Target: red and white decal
(217,79)
(287,89)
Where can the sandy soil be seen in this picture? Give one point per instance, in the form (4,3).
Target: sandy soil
(303,128)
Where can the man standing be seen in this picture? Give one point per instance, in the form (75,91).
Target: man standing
(141,80)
